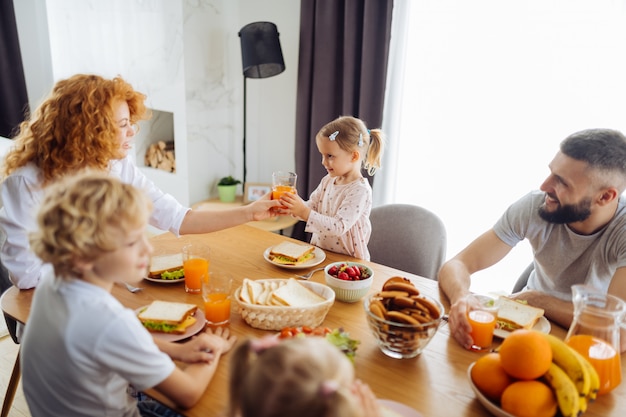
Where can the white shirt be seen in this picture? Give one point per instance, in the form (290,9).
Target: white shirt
(81,349)
(22,194)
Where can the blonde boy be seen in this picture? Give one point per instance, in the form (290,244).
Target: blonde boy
(81,348)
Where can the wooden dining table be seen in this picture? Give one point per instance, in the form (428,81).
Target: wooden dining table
(435,383)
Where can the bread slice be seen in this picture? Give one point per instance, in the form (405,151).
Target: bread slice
(294,294)
(168,317)
(165,263)
(513,315)
(290,253)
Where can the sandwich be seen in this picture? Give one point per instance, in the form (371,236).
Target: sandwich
(289,253)
(166,266)
(167,317)
(513,315)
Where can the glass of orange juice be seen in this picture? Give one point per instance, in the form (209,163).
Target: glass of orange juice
(196,259)
(216,293)
(283,182)
(482,314)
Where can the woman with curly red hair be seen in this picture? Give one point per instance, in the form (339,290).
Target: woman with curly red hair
(88,122)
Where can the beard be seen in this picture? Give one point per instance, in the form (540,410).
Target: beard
(567,213)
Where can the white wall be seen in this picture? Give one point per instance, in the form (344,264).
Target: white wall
(185,55)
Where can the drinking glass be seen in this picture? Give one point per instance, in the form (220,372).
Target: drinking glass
(196,259)
(482,315)
(283,182)
(216,293)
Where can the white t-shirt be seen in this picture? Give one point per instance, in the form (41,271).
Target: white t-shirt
(562,257)
(81,349)
(340,217)
(22,194)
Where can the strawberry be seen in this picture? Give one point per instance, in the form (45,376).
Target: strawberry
(343,276)
(333,270)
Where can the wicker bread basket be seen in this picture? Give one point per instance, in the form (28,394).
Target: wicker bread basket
(277,317)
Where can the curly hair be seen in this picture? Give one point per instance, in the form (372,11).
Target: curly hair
(304,377)
(353,135)
(85,215)
(74,128)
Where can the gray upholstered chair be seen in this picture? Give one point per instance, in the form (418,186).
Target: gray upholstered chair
(523,278)
(408,237)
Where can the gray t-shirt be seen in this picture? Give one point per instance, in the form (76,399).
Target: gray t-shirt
(562,257)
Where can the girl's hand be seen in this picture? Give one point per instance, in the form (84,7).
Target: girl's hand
(366,398)
(295,206)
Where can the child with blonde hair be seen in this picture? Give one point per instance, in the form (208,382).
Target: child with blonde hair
(304,377)
(81,348)
(337,212)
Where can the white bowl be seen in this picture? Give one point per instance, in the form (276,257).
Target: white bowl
(349,291)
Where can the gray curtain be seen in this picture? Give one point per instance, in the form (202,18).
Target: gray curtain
(342,69)
(13,96)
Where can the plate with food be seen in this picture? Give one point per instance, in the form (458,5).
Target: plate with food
(166,269)
(513,315)
(293,255)
(338,337)
(390,408)
(171,321)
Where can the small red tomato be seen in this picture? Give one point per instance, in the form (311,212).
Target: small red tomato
(343,276)
(306,329)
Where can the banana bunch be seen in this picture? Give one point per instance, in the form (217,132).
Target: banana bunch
(573,379)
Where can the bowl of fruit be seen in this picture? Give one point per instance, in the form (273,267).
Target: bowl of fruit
(350,280)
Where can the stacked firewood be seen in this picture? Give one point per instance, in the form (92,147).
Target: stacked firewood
(160,155)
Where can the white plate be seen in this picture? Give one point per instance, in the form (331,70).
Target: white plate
(492,407)
(542,325)
(191,330)
(397,409)
(165,281)
(319,257)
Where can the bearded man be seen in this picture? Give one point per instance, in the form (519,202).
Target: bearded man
(576,225)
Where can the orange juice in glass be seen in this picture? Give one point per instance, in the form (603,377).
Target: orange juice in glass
(482,315)
(216,296)
(283,182)
(604,357)
(196,259)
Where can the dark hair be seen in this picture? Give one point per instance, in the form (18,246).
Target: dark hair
(604,149)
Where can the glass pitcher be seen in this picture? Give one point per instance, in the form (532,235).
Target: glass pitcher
(595,332)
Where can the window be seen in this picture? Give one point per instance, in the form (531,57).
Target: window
(484,92)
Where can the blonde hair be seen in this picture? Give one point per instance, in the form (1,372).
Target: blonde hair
(74,128)
(85,216)
(303,377)
(352,136)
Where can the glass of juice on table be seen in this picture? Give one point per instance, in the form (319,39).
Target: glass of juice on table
(216,293)
(196,259)
(283,182)
(482,314)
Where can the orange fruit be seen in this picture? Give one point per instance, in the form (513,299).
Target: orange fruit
(529,399)
(489,376)
(525,354)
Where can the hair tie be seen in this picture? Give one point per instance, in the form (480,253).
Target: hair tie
(333,136)
(328,388)
(368,131)
(259,345)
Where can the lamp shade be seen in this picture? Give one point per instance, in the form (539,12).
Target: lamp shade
(261,55)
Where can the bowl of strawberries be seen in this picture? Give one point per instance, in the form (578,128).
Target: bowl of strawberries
(350,280)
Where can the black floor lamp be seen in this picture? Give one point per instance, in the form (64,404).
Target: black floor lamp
(261,57)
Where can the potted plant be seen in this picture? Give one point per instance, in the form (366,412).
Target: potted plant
(227,188)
